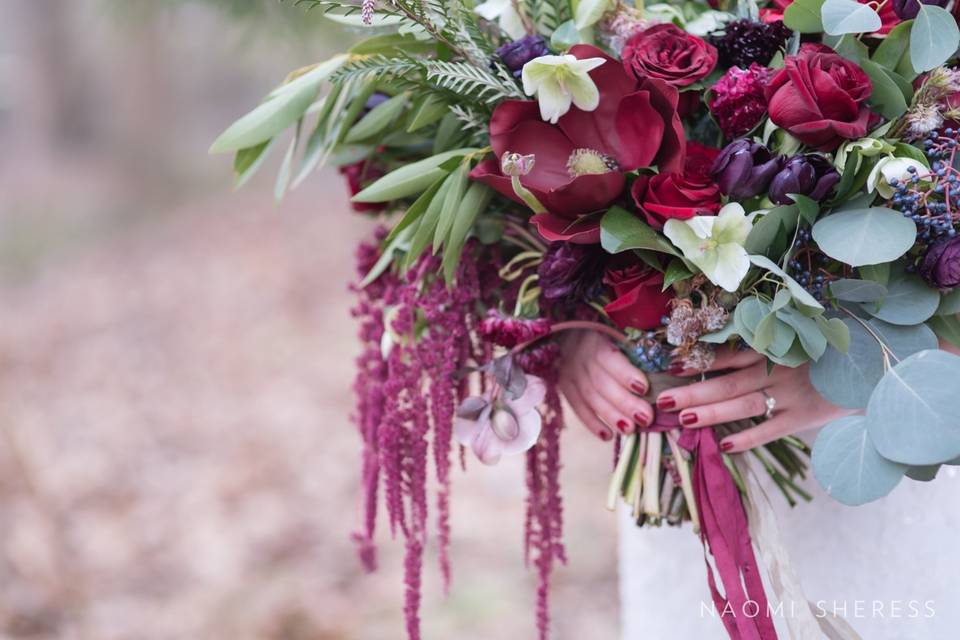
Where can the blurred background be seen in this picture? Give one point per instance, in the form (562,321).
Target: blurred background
(176,457)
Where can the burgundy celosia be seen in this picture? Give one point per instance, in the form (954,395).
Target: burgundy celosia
(737,101)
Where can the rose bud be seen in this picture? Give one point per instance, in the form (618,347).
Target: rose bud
(908,9)
(809,175)
(941,266)
(744,169)
(519,52)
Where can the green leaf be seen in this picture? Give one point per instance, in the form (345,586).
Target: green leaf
(766,227)
(721,336)
(409,179)
(427,225)
(887,98)
(850,290)
(414,211)
(903,342)
(565,36)
(451,204)
(923,473)
(391,44)
(283,174)
(950,303)
(281,109)
(848,16)
(811,338)
(879,273)
(865,236)
(620,231)
(676,271)
(477,198)
(933,39)
(894,47)
(427,112)
(909,301)
(386,257)
(848,466)
(904,150)
(377,120)
(248,161)
(809,208)
(835,331)
(912,415)
(800,295)
(848,379)
(947,327)
(804,16)
(765,332)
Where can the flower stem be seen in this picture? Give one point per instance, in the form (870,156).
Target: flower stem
(574,325)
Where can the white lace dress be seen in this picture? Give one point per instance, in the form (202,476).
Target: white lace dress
(890,568)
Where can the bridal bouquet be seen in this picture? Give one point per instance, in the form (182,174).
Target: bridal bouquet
(682,177)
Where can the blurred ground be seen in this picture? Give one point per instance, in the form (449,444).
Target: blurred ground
(176,460)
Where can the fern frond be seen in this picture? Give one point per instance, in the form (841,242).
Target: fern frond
(547,15)
(364,67)
(473,122)
(469,81)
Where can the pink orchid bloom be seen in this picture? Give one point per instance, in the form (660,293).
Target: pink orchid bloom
(503,426)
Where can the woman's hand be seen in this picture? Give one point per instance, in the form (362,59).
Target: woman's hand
(601,385)
(742,393)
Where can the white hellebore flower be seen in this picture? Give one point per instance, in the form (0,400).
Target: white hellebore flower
(589,12)
(715,244)
(892,168)
(559,81)
(504,11)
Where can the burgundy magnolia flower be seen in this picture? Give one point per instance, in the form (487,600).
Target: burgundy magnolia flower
(820,97)
(737,100)
(580,162)
(639,302)
(669,53)
(809,175)
(941,266)
(679,195)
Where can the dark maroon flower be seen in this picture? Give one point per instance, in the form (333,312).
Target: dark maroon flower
(737,100)
(908,9)
(519,52)
(941,266)
(680,196)
(580,163)
(744,169)
(359,175)
(669,53)
(571,272)
(741,43)
(509,331)
(809,175)
(820,98)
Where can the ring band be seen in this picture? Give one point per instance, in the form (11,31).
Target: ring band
(771,403)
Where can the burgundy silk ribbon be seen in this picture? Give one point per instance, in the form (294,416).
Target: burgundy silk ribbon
(724,531)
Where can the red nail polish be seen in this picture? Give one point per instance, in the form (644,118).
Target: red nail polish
(666,403)
(638,387)
(726,446)
(623,425)
(688,419)
(605,435)
(642,420)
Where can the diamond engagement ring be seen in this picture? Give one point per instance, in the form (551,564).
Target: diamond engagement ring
(771,403)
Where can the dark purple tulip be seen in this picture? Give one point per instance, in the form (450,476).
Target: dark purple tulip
(908,9)
(519,52)
(941,266)
(810,175)
(744,169)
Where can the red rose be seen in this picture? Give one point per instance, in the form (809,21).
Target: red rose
(888,17)
(679,195)
(580,163)
(639,301)
(666,52)
(820,97)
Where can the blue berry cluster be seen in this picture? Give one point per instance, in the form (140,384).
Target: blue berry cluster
(648,353)
(933,203)
(806,272)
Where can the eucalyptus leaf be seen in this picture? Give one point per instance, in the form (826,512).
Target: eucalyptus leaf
(808,331)
(766,227)
(723,335)
(848,16)
(879,273)
(621,230)
(894,47)
(909,301)
(847,465)
(409,179)
(565,36)
(912,415)
(865,236)
(887,98)
(835,331)
(902,341)
(851,290)
(924,473)
(804,16)
(848,379)
(800,295)
(934,38)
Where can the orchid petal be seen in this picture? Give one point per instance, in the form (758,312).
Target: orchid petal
(487,446)
(530,425)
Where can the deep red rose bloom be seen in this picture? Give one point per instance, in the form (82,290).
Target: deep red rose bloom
(888,17)
(638,301)
(580,162)
(359,175)
(669,53)
(674,195)
(700,159)
(820,97)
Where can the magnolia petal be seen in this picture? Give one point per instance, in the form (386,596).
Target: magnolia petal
(529,425)
(731,266)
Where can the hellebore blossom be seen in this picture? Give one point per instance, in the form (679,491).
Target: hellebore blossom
(714,244)
(497,426)
(809,175)
(589,12)
(892,168)
(559,81)
(941,266)
(744,169)
(519,52)
(504,12)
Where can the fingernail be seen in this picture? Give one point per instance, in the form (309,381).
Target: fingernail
(642,419)
(605,435)
(666,403)
(688,419)
(624,426)
(675,369)
(726,446)
(638,387)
